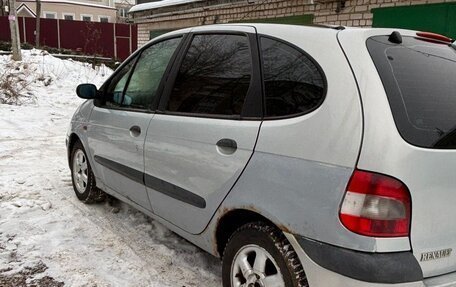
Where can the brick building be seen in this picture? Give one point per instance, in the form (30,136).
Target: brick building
(163,16)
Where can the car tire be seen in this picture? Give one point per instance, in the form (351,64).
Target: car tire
(258,254)
(82,177)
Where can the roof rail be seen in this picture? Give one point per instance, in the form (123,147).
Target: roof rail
(335,27)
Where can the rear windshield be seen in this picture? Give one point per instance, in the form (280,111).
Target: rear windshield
(419,77)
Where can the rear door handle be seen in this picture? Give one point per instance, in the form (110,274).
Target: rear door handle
(226,146)
(135,131)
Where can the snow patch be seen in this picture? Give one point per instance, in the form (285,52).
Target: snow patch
(44,228)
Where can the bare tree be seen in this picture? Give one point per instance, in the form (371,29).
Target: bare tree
(38,20)
(15,40)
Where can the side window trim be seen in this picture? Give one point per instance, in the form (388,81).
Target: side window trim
(254,94)
(135,57)
(169,68)
(130,73)
(320,69)
(253,106)
(172,75)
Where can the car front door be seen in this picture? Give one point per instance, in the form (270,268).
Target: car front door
(119,124)
(205,130)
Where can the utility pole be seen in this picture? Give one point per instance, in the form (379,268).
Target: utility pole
(38,20)
(15,40)
(2,8)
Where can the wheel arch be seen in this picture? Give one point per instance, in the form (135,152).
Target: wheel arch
(233,219)
(73,138)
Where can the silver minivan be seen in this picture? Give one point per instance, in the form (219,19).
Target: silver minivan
(302,156)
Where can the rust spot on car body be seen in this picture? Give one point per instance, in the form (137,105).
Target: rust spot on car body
(220,213)
(223,211)
(252,208)
(284,228)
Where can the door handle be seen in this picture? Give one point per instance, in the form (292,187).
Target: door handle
(135,131)
(226,146)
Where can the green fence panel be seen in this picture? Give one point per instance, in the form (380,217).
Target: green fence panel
(452,21)
(438,18)
(156,33)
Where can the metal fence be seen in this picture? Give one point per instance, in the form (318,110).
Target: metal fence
(111,40)
(438,18)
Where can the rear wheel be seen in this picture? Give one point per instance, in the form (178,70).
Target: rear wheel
(82,176)
(259,255)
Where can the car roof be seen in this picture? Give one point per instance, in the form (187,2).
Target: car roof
(262,28)
(320,32)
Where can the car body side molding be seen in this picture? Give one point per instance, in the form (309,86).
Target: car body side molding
(174,191)
(126,171)
(155,183)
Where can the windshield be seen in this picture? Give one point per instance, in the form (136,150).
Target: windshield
(419,78)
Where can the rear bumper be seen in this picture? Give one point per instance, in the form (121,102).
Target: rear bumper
(447,280)
(345,268)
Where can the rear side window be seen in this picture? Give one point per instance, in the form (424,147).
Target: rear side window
(292,81)
(419,78)
(214,77)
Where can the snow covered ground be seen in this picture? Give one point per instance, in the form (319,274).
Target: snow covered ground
(48,237)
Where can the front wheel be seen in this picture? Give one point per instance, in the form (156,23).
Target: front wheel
(259,255)
(82,176)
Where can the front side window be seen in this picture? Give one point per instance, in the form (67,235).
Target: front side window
(135,86)
(114,91)
(214,77)
(293,83)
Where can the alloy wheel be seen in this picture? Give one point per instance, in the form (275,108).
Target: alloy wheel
(80,171)
(253,266)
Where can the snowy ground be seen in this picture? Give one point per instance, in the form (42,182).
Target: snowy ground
(49,238)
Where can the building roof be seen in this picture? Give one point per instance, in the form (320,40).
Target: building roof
(71,3)
(26,8)
(159,4)
(129,2)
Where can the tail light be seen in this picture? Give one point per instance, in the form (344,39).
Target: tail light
(376,205)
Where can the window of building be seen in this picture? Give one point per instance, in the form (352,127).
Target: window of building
(68,16)
(122,13)
(292,81)
(87,18)
(139,90)
(103,19)
(214,77)
(50,15)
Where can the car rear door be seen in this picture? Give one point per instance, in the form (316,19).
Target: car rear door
(118,125)
(205,130)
